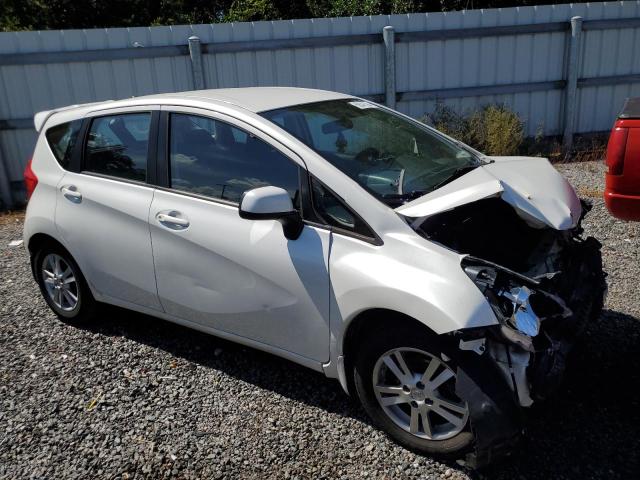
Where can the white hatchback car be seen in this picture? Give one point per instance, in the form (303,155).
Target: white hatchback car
(440,286)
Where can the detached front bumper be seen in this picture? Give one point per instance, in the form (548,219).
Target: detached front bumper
(536,370)
(584,289)
(533,370)
(539,318)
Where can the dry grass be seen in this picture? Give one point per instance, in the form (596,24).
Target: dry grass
(589,148)
(499,130)
(586,148)
(16,216)
(493,129)
(590,193)
(496,130)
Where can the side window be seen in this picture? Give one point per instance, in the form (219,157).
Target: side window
(213,158)
(334,212)
(62,138)
(117,146)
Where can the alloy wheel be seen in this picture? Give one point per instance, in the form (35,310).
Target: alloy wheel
(60,282)
(416,391)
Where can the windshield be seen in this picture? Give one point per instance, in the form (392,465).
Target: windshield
(393,158)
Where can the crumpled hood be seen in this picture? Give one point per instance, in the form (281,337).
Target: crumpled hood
(538,192)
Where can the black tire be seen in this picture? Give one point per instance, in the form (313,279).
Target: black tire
(381,342)
(85,309)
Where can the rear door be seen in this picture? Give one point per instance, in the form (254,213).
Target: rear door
(103,207)
(218,270)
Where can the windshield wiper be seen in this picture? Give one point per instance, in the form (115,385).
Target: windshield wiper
(405,196)
(398,199)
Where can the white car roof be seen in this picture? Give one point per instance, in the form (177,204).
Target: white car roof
(258,99)
(253,99)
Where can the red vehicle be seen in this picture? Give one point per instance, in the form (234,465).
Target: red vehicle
(622,191)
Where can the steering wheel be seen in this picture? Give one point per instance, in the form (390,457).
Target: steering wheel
(369,155)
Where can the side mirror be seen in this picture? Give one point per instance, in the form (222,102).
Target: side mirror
(272,203)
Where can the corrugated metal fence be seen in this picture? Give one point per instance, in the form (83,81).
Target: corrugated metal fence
(559,75)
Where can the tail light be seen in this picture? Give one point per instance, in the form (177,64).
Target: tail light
(616,150)
(30,179)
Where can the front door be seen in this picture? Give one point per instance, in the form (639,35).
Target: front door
(221,271)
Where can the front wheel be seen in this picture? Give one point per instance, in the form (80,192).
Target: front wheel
(406,383)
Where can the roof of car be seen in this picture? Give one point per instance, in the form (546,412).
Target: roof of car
(259,99)
(254,99)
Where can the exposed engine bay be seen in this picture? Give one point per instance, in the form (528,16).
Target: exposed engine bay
(491,229)
(544,285)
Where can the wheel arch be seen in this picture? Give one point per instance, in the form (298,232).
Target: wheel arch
(370,322)
(494,413)
(38,240)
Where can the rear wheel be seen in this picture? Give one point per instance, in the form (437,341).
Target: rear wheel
(406,383)
(62,284)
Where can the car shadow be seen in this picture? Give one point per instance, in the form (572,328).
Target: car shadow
(589,429)
(250,365)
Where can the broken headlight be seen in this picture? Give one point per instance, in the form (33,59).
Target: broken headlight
(518,301)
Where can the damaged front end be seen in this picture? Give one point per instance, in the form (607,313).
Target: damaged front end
(544,285)
(539,318)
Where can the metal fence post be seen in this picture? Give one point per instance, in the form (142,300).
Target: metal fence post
(195,52)
(388,36)
(573,65)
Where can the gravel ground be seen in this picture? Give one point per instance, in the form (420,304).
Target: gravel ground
(132,396)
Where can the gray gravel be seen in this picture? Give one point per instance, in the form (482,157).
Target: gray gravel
(132,396)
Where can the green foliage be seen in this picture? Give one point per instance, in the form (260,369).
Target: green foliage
(499,129)
(62,14)
(251,10)
(54,14)
(493,129)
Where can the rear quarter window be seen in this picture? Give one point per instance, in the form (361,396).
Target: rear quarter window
(62,138)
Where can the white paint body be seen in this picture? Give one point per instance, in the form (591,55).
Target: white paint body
(242,279)
(271,200)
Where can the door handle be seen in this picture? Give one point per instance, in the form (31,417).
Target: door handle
(71,193)
(172,220)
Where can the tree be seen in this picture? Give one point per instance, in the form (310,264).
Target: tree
(62,14)
(57,14)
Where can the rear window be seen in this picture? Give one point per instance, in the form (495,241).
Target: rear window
(62,138)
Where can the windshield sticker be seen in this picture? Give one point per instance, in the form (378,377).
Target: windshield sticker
(362,105)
